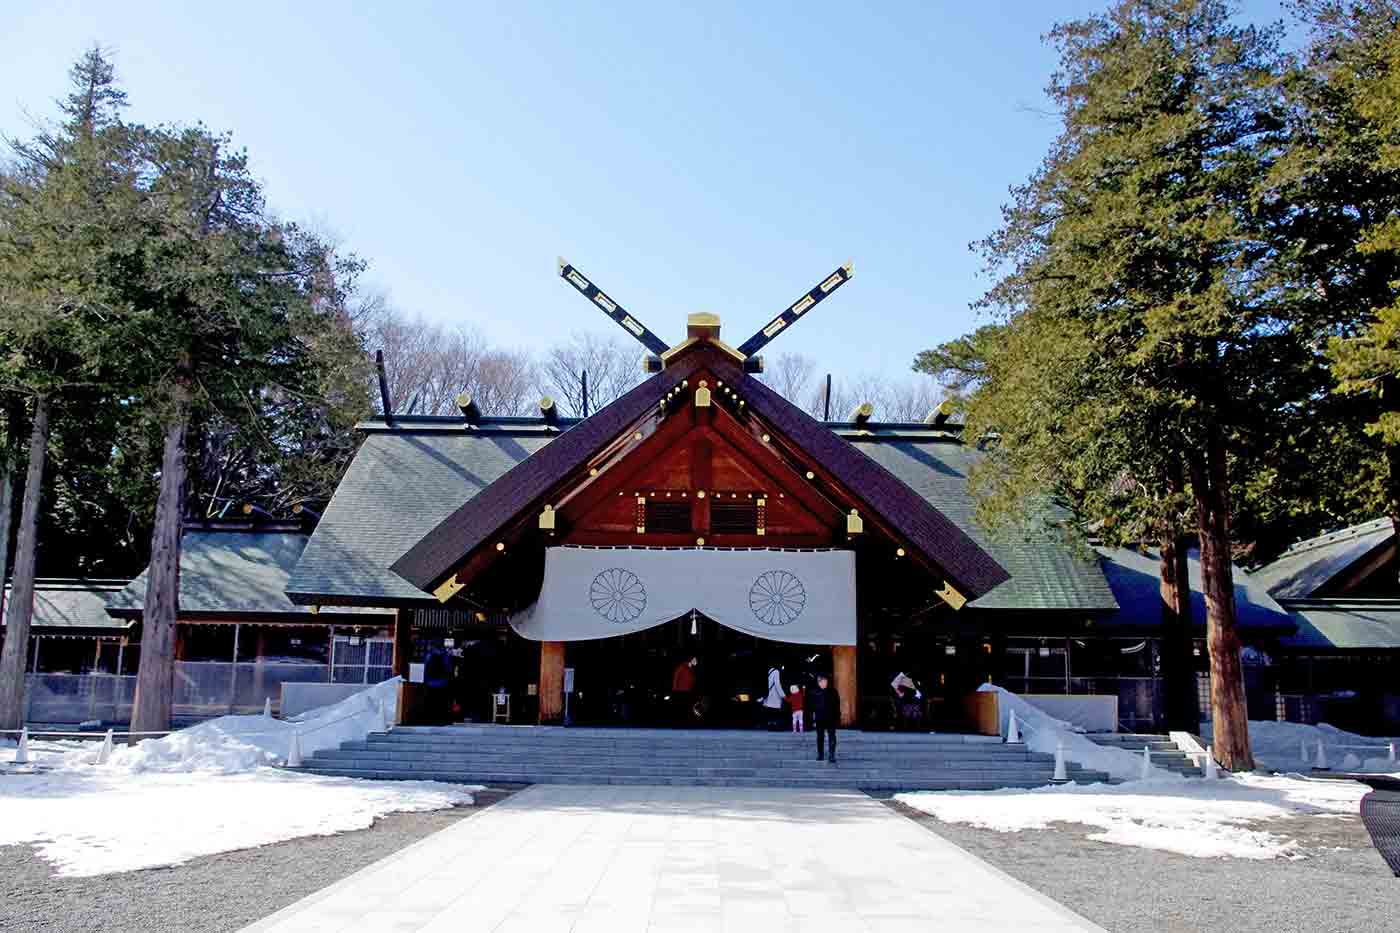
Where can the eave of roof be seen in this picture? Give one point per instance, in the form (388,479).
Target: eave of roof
(1345,624)
(1309,565)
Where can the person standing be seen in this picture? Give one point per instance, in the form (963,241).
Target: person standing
(773,701)
(795,702)
(826,713)
(683,690)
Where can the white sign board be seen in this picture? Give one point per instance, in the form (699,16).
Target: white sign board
(415,673)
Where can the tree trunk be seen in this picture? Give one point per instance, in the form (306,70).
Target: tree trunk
(155,677)
(1178,671)
(1228,707)
(20,611)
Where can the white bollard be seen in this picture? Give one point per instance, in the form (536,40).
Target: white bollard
(294,750)
(383,723)
(104,753)
(1391,756)
(22,753)
(1013,732)
(1060,773)
(1146,771)
(1321,763)
(1211,773)
(267,707)
(1303,751)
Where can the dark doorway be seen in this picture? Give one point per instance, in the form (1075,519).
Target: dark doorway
(630,680)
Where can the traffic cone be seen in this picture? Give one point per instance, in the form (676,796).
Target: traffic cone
(1146,771)
(1060,774)
(294,750)
(1013,732)
(22,753)
(267,707)
(105,752)
(1211,772)
(1321,763)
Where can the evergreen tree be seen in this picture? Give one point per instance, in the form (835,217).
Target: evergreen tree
(240,314)
(63,251)
(1138,347)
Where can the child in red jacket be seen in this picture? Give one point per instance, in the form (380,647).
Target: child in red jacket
(795,702)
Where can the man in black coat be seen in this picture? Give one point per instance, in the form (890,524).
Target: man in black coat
(825,704)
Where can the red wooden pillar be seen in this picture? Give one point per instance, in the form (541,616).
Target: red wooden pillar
(843,664)
(551,682)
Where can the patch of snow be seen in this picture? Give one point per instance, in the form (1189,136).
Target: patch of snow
(1042,732)
(94,821)
(1191,817)
(1279,746)
(233,744)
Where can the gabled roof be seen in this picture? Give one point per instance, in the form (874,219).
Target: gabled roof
(1307,566)
(73,606)
(970,567)
(402,483)
(238,572)
(1346,624)
(1045,574)
(1134,575)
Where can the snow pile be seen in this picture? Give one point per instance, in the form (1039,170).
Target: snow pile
(1042,732)
(1278,746)
(232,744)
(96,821)
(1196,818)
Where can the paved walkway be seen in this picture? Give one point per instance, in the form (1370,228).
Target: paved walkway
(620,859)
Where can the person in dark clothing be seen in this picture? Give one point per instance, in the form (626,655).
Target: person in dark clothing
(825,704)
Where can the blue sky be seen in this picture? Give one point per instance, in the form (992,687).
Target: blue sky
(721,158)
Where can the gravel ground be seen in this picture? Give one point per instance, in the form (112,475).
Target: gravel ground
(1343,886)
(214,894)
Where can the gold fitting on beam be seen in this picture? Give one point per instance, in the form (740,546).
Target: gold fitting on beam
(854,523)
(951,596)
(702,397)
(547,518)
(448,589)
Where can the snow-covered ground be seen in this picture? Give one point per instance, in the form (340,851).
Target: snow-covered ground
(1292,746)
(1192,817)
(199,791)
(100,821)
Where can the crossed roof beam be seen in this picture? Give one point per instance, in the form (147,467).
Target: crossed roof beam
(747,351)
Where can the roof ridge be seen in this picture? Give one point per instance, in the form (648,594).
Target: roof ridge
(1340,534)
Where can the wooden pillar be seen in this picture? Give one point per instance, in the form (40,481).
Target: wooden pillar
(843,664)
(403,655)
(551,682)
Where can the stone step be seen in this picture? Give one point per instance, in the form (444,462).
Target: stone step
(812,767)
(789,751)
(834,781)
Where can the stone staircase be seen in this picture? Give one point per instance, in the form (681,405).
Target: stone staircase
(486,754)
(1165,754)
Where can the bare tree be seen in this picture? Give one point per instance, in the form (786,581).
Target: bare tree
(790,375)
(906,399)
(613,367)
(427,364)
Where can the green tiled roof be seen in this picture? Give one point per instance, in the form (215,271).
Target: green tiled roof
(228,572)
(1346,624)
(1306,566)
(1135,578)
(73,605)
(1045,574)
(399,487)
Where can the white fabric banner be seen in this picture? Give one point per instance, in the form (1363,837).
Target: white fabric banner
(804,597)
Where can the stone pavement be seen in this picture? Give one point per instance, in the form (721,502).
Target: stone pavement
(619,859)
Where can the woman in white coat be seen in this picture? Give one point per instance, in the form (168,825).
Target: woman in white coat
(773,702)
